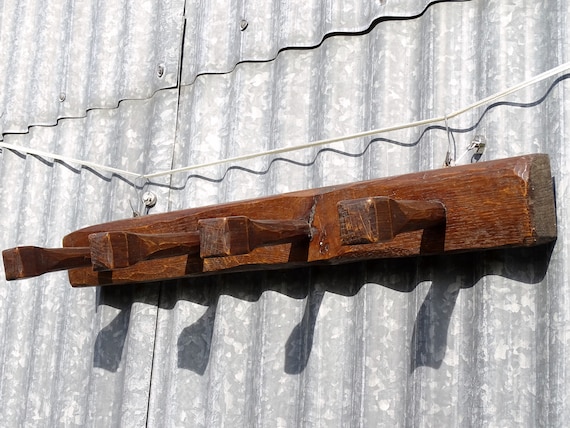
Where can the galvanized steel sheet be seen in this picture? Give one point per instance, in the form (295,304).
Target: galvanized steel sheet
(463,340)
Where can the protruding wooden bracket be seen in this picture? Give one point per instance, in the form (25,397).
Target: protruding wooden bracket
(234,235)
(27,262)
(378,219)
(115,250)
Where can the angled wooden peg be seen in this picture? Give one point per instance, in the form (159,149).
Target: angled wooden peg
(29,261)
(234,235)
(380,218)
(114,250)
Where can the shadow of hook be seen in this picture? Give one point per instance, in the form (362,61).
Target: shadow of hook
(194,342)
(300,342)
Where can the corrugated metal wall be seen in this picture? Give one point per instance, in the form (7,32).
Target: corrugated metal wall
(467,340)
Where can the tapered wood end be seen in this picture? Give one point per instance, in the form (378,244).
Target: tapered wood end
(224,236)
(29,261)
(15,267)
(109,250)
(357,220)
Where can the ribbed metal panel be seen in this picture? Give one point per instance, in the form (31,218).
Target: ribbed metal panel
(465,340)
(79,357)
(220,37)
(62,58)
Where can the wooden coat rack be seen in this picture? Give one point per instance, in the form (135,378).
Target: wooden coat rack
(496,204)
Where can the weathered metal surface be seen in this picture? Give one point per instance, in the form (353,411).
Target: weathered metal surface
(461,341)
(60,59)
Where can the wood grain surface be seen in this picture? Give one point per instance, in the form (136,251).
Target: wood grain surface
(496,204)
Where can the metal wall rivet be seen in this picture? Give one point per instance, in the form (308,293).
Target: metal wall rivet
(160,70)
(62,97)
(149,199)
(243,24)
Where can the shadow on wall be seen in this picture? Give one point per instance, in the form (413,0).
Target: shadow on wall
(110,341)
(448,275)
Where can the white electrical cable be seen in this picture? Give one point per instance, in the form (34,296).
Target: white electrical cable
(66,159)
(448,116)
(484,101)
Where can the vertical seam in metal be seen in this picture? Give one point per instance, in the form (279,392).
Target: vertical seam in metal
(151,375)
(169,206)
(178,95)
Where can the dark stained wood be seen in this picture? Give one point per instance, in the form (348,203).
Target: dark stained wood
(503,203)
(234,235)
(488,205)
(225,236)
(291,206)
(115,250)
(374,219)
(27,262)
(497,204)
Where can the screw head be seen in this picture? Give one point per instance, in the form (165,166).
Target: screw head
(149,199)
(243,25)
(62,97)
(160,69)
